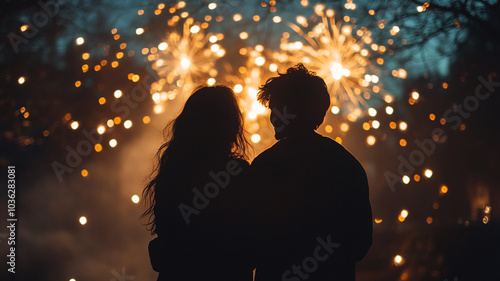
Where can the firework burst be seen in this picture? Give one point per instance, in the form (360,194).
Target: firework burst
(186,58)
(339,57)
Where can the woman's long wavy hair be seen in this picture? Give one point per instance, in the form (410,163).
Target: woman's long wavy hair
(209,128)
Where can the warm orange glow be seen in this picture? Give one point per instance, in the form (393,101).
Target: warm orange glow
(98,147)
(370,140)
(444,189)
(366,126)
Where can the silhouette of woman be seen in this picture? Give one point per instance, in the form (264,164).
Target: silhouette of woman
(193,197)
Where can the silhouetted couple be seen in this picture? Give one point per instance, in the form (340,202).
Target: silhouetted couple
(300,212)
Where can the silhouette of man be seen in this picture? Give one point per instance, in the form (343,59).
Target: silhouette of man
(312,216)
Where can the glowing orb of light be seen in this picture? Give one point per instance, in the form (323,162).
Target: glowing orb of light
(428,173)
(255,138)
(389,110)
(74,125)
(117,94)
(83,220)
(444,189)
(238,88)
(372,112)
(162,46)
(158,109)
(127,124)
(335,109)
(404,213)
(185,63)
(194,29)
(80,41)
(406,179)
(260,61)
(398,259)
(370,140)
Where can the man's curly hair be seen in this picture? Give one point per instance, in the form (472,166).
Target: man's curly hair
(301,91)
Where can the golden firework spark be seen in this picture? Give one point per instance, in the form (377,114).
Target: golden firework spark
(337,56)
(186,58)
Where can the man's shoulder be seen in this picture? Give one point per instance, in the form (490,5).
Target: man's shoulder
(330,145)
(335,150)
(271,153)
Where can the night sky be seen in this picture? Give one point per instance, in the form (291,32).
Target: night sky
(88,86)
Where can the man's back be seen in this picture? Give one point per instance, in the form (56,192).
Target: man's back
(313,216)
